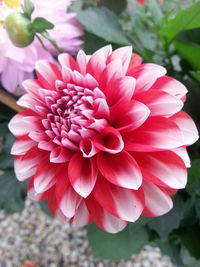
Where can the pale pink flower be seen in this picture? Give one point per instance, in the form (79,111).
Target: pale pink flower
(103,138)
(17,64)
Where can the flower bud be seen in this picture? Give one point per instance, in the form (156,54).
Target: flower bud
(17,27)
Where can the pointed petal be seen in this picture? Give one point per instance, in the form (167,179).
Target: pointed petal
(120,169)
(120,90)
(59,155)
(82,174)
(160,103)
(82,216)
(102,218)
(157,202)
(22,145)
(164,168)
(157,133)
(129,115)
(120,202)
(47,74)
(187,127)
(68,200)
(110,140)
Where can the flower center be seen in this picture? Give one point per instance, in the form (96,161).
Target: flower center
(71,115)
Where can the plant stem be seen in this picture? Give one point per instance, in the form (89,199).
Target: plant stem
(9,101)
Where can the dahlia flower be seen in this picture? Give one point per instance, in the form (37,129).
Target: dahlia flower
(17,64)
(103,138)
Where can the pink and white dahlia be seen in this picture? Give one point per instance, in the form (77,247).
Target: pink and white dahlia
(103,138)
(17,64)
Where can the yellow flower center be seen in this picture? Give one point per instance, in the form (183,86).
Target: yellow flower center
(12,3)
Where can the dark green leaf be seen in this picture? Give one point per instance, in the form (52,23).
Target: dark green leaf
(117,6)
(28,8)
(103,23)
(120,245)
(188,260)
(189,52)
(12,192)
(196,75)
(193,186)
(185,19)
(190,237)
(40,25)
(165,224)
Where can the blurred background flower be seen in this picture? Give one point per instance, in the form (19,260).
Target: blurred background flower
(17,64)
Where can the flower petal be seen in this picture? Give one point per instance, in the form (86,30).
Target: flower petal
(157,133)
(82,216)
(128,115)
(187,127)
(120,202)
(59,155)
(102,218)
(160,103)
(164,168)
(157,202)
(22,145)
(82,174)
(120,169)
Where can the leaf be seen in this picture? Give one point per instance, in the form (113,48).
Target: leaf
(193,187)
(189,52)
(117,6)
(117,246)
(190,237)
(12,192)
(188,260)
(28,8)
(165,224)
(184,20)
(196,75)
(40,25)
(103,23)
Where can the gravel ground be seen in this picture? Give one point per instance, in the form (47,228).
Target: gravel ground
(32,239)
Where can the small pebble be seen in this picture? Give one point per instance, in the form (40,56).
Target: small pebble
(32,239)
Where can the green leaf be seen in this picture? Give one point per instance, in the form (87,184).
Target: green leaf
(190,237)
(185,19)
(117,246)
(12,192)
(103,23)
(189,52)
(28,8)
(196,75)
(193,187)
(188,260)
(165,224)
(40,25)
(117,6)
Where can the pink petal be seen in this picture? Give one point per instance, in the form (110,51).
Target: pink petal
(120,202)
(160,103)
(68,200)
(120,169)
(136,60)
(22,145)
(47,74)
(129,115)
(81,60)
(82,216)
(124,54)
(164,168)
(45,177)
(119,90)
(170,86)
(146,75)
(183,154)
(101,109)
(158,133)
(157,202)
(109,140)
(82,174)
(187,127)
(59,155)
(67,60)
(87,148)
(102,218)
(25,165)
